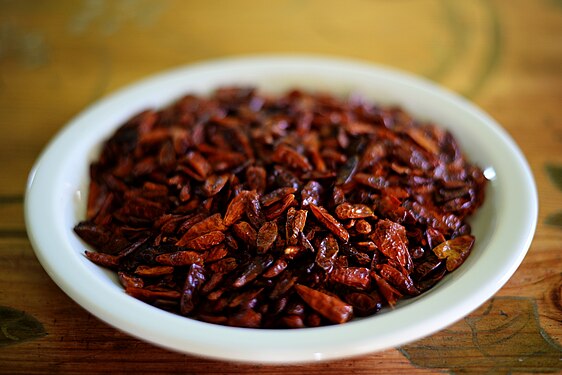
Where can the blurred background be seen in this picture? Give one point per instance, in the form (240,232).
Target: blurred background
(58,57)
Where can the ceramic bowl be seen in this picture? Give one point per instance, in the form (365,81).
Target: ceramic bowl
(504,226)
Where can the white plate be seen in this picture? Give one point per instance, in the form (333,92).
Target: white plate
(504,226)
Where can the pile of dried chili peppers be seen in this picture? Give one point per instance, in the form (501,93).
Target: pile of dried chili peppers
(289,211)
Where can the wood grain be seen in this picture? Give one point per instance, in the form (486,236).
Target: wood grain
(57,58)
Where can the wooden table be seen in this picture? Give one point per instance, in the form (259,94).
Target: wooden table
(57,57)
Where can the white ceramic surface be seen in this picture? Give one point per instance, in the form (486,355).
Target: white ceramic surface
(504,226)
